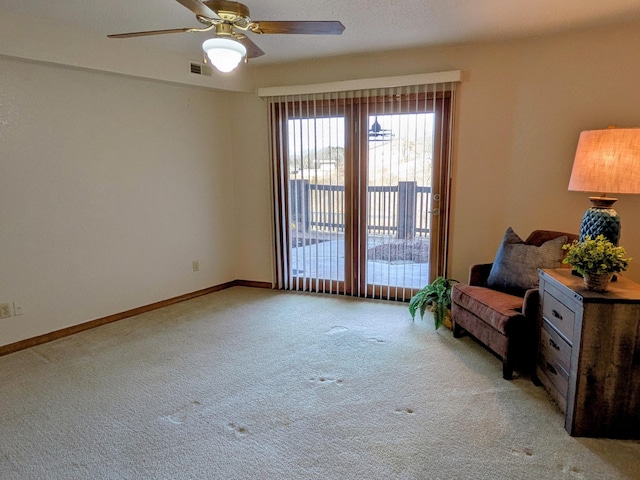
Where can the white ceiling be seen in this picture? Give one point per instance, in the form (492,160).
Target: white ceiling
(371,25)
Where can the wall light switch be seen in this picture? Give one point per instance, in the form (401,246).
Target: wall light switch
(196,265)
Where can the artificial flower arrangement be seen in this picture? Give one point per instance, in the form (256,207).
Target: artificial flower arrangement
(597,257)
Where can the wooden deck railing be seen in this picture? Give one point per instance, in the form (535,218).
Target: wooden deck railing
(401,210)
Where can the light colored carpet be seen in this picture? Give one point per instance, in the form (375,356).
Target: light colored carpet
(256,384)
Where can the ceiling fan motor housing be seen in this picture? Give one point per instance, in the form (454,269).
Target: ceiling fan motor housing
(233,12)
(224,30)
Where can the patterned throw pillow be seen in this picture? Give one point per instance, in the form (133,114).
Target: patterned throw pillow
(515,268)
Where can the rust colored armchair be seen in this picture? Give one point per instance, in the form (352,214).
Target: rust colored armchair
(499,306)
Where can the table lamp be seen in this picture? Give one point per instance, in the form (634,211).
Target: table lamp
(606,161)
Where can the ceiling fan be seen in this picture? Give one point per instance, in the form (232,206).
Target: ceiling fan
(229,20)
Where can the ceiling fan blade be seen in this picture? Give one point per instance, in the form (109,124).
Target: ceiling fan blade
(150,32)
(199,8)
(253,50)
(300,27)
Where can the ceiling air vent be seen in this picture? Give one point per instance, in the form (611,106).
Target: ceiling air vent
(197,68)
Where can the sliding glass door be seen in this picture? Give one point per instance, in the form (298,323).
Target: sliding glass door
(360,184)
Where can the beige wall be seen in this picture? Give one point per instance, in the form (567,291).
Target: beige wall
(109,188)
(252,200)
(520,109)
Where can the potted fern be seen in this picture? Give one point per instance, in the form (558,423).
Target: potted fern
(437,298)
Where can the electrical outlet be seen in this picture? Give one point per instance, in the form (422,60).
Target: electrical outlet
(196,265)
(5,310)
(17,309)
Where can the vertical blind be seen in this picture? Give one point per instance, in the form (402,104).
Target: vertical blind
(361,185)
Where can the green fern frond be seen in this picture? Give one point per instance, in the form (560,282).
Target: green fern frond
(436,296)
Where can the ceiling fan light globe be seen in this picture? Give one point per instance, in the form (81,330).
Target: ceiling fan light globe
(225,54)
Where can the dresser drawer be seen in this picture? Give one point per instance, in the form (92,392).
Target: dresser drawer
(558,315)
(556,375)
(554,348)
(559,398)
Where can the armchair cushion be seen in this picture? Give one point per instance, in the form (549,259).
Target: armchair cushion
(497,309)
(515,268)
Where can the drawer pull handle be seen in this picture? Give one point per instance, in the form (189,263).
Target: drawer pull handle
(554,344)
(556,314)
(551,369)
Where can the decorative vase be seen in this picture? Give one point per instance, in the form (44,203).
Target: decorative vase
(597,282)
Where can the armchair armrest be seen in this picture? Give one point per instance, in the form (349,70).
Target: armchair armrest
(479,273)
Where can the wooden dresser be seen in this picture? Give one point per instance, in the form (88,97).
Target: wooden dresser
(589,354)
